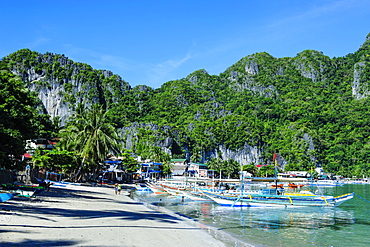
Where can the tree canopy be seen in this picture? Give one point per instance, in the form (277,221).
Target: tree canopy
(311,109)
(19,118)
(90,136)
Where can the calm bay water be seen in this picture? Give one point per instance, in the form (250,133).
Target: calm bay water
(346,225)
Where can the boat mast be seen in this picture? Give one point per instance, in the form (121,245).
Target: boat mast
(275,168)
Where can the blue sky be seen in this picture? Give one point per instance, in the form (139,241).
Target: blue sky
(152,42)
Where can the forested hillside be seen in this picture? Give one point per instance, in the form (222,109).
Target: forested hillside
(310,109)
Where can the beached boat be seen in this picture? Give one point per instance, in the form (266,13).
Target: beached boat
(52,183)
(25,193)
(22,190)
(4,196)
(142,188)
(277,198)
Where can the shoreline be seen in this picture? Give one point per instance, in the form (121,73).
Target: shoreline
(95,216)
(216,233)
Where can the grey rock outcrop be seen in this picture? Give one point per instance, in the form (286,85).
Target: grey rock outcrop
(360,87)
(244,156)
(251,67)
(61,83)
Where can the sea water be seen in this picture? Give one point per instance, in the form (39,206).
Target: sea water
(346,225)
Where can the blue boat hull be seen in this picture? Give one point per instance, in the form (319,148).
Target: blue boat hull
(5,196)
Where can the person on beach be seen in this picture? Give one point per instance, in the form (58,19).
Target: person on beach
(119,188)
(116,188)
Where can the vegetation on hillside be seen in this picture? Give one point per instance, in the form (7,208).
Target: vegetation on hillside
(310,109)
(19,118)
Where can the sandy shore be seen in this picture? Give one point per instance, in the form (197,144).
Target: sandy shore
(94,216)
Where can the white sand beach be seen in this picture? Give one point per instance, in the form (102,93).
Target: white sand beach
(94,216)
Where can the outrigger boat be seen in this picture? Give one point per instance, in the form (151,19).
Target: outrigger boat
(156,189)
(22,190)
(278,198)
(195,195)
(4,196)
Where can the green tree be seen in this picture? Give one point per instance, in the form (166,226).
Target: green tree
(266,171)
(217,165)
(91,136)
(19,119)
(231,168)
(55,160)
(129,161)
(251,168)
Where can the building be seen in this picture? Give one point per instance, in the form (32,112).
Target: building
(179,167)
(149,170)
(294,174)
(200,170)
(41,143)
(114,171)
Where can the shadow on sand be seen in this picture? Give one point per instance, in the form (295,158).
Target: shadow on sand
(34,209)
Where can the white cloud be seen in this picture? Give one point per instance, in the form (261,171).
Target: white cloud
(39,42)
(318,15)
(161,72)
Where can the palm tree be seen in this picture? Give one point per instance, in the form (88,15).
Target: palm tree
(231,167)
(217,165)
(159,155)
(90,135)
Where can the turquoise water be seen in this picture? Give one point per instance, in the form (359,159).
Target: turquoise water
(346,225)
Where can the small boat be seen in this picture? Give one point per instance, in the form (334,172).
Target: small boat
(25,193)
(22,190)
(277,198)
(142,188)
(295,186)
(61,183)
(326,183)
(4,196)
(277,185)
(173,191)
(195,195)
(156,188)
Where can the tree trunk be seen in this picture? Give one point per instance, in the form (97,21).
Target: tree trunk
(78,171)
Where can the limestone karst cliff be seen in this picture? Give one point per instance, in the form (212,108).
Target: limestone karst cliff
(308,108)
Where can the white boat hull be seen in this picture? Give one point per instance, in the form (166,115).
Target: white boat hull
(280,201)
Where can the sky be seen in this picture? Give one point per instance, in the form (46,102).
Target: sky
(150,42)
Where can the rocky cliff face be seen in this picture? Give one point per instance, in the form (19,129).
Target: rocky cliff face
(50,91)
(246,155)
(313,65)
(242,75)
(360,84)
(61,83)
